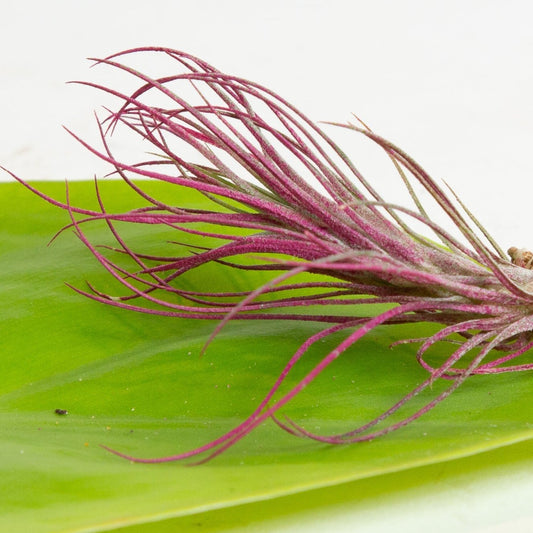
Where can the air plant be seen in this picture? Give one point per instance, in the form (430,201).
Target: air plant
(285,196)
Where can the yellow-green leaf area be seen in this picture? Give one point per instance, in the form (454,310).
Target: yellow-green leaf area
(137,383)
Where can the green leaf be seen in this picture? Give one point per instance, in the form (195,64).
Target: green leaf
(136,383)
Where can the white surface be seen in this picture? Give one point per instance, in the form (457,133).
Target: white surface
(450,82)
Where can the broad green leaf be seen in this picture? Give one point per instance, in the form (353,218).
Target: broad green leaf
(136,383)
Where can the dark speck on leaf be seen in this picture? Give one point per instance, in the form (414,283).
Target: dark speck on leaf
(61,412)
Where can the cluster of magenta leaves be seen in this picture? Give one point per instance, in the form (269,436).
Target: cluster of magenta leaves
(288,197)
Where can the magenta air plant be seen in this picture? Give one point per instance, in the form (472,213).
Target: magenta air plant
(285,195)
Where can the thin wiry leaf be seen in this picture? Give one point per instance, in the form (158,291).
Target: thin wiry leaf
(256,159)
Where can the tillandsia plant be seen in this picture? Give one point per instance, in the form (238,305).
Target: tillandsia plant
(286,197)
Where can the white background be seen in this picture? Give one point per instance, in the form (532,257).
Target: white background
(450,82)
